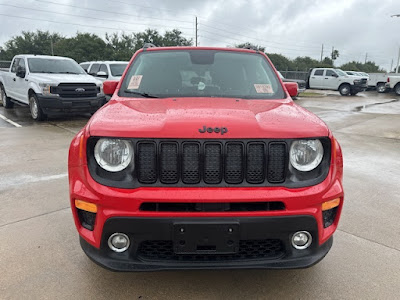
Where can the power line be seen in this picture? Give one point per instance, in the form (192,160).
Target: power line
(254,38)
(119,13)
(88,17)
(68,23)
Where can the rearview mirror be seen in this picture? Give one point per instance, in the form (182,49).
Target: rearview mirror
(20,72)
(101,74)
(110,86)
(292,88)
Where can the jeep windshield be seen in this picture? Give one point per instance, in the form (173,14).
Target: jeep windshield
(56,66)
(201,73)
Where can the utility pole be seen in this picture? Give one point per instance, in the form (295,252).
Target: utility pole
(196,30)
(322,52)
(398,62)
(391,66)
(51,45)
(366,56)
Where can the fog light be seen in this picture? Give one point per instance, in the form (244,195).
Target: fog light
(118,242)
(301,240)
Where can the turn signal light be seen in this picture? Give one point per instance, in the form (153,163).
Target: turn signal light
(330,204)
(90,207)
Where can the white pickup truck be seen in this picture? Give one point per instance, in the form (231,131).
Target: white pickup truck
(393,83)
(336,80)
(49,85)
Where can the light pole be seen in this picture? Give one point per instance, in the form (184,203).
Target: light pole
(398,58)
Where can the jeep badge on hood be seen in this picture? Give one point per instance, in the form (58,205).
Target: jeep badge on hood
(221,130)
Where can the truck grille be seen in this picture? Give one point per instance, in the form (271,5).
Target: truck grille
(76,90)
(211,163)
(162,250)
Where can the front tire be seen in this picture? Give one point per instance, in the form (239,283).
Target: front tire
(36,111)
(4,99)
(380,87)
(345,89)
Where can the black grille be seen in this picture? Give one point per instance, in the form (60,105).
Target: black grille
(211,207)
(276,162)
(191,163)
(76,90)
(147,172)
(210,163)
(162,250)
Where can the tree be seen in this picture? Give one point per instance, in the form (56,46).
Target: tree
(39,42)
(334,54)
(249,45)
(281,62)
(368,67)
(83,47)
(175,38)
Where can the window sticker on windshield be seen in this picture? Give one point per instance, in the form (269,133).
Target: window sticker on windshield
(263,88)
(134,83)
(201,86)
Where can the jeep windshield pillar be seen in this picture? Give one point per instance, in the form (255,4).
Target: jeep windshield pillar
(201,160)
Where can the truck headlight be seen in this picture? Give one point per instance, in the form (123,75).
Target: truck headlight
(113,155)
(100,86)
(46,88)
(306,155)
(357,81)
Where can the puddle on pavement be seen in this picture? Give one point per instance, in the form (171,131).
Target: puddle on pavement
(361,107)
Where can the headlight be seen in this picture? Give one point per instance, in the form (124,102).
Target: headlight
(306,155)
(357,81)
(46,88)
(100,88)
(113,155)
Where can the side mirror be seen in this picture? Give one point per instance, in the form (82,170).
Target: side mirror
(20,72)
(101,74)
(335,75)
(292,88)
(109,87)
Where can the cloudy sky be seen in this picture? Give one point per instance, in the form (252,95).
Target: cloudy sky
(293,27)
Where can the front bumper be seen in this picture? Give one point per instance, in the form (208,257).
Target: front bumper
(161,231)
(54,105)
(356,88)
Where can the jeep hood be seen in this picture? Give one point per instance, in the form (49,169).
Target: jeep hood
(183,117)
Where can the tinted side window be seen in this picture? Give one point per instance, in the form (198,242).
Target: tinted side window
(94,69)
(103,68)
(14,65)
(330,73)
(319,72)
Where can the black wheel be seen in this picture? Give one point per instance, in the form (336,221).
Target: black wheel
(345,89)
(380,87)
(354,93)
(6,101)
(397,89)
(36,112)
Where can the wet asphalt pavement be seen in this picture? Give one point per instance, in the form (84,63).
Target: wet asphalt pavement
(40,256)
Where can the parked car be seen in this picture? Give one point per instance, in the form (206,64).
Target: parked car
(301,83)
(393,83)
(336,80)
(105,70)
(49,85)
(378,81)
(201,160)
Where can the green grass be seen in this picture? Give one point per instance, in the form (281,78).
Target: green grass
(310,94)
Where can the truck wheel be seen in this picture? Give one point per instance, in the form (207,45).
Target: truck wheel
(36,112)
(397,89)
(354,93)
(345,89)
(380,87)
(4,99)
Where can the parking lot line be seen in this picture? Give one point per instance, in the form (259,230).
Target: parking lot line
(9,121)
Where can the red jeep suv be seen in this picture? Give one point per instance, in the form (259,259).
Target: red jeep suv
(201,160)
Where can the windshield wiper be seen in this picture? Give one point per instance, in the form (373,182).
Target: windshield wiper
(143,94)
(46,72)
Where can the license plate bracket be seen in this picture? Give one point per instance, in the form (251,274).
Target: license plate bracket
(209,238)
